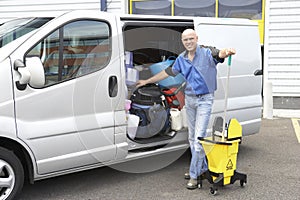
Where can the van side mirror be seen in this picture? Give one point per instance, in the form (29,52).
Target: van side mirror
(32,74)
(37,72)
(23,73)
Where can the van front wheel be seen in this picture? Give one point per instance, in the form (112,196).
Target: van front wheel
(11,175)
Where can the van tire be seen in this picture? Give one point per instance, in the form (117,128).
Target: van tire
(10,166)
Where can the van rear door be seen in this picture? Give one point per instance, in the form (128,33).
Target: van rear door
(245,101)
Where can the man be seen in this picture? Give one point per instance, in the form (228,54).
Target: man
(198,65)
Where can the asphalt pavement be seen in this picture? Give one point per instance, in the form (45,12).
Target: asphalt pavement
(271,160)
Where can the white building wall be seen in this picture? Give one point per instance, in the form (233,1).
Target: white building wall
(117,6)
(282,47)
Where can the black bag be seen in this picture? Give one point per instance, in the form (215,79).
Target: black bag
(148,104)
(147,95)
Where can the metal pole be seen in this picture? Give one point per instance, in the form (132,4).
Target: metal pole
(226,97)
(103,5)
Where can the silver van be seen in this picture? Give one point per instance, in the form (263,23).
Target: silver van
(65,81)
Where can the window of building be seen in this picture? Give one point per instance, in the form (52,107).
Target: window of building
(203,8)
(250,9)
(152,7)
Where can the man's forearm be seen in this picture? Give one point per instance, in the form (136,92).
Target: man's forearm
(158,77)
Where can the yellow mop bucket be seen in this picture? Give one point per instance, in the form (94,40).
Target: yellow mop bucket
(222,157)
(221,153)
(221,150)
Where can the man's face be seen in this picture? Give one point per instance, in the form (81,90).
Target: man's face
(189,41)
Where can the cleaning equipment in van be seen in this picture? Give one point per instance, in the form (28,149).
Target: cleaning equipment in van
(148,104)
(153,119)
(176,119)
(175,100)
(170,81)
(148,94)
(174,96)
(171,87)
(132,74)
(221,152)
(133,122)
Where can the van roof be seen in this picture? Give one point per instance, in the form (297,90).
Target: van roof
(137,17)
(204,20)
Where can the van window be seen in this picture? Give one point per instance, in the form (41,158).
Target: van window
(74,50)
(11,30)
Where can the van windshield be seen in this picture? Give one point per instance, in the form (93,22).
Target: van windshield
(11,30)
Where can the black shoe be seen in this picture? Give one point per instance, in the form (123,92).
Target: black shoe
(187,176)
(192,184)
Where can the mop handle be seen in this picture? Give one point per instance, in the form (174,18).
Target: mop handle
(226,97)
(229,61)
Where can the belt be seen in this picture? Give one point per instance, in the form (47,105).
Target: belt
(197,95)
(200,95)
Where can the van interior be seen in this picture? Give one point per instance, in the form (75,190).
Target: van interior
(153,45)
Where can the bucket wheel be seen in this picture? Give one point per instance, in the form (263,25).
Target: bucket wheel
(213,191)
(243,183)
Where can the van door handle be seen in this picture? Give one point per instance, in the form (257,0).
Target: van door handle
(113,86)
(258,72)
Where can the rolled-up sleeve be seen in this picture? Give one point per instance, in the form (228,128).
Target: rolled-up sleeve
(174,69)
(214,53)
(169,71)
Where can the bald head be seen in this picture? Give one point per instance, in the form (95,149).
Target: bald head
(188,31)
(189,40)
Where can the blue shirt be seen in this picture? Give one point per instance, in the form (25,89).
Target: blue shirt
(200,74)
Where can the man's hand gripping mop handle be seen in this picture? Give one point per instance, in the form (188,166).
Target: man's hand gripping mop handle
(226,97)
